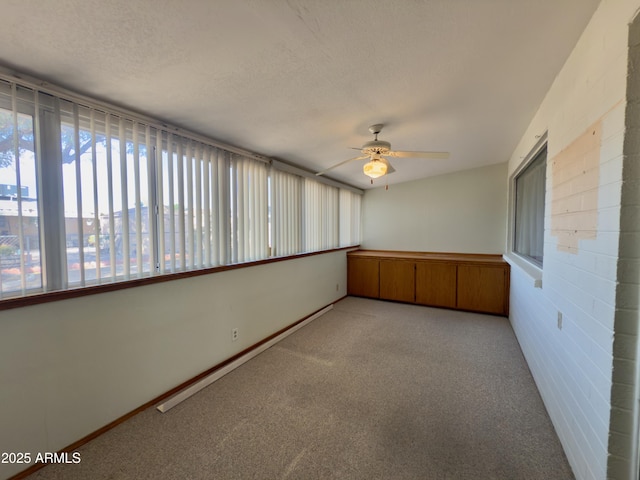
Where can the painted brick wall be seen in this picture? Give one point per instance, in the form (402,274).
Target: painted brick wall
(584,114)
(624,392)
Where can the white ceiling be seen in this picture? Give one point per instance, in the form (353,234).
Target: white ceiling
(301,80)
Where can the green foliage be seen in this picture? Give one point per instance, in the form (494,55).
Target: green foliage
(7,128)
(7,250)
(26,139)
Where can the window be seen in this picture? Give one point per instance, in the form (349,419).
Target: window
(20,255)
(249,239)
(529,208)
(285,213)
(321,216)
(92,195)
(105,184)
(350,207)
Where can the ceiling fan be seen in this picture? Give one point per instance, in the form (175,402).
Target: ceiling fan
(376,150)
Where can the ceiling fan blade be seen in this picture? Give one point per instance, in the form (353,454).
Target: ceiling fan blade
(341,163)
(431,155)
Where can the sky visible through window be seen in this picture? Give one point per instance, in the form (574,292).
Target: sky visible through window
(8,176)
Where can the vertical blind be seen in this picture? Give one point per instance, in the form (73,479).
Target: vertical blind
(249,240)
(321,216)
(89,195)
(285,213)
(350,208)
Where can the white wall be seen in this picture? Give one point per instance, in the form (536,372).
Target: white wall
(462,212)
(68,368)
(573,365)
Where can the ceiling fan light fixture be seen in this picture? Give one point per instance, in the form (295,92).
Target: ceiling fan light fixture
(375,168)
(376,150)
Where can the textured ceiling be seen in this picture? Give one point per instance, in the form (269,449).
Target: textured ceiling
(301,80)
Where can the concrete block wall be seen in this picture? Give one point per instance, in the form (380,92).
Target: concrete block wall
(572,357)
(623,434)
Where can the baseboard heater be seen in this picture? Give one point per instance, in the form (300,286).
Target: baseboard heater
(209,379)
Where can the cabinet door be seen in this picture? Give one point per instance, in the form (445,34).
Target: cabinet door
(436,284)
(483,288)
(397,280)
(363,276)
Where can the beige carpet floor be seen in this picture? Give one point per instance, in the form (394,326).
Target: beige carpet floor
(370,390)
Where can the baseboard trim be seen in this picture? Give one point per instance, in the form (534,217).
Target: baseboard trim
(184,386)
(221,372)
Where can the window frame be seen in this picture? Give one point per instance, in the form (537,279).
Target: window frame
(528,264)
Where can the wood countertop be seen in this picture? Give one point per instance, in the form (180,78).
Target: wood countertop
(476,258)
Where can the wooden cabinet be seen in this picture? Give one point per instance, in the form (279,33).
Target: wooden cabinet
(474,282)
(482,288)
(363,277)
(436,284)
(397,280)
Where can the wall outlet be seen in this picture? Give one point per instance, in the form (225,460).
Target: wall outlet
(559,320)
(337,287)
(234,334)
